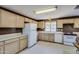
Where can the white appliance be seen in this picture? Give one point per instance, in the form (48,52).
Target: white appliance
(30,30)
(59,37)
(69,39)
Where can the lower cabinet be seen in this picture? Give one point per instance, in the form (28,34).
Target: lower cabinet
(1,47)
(46,37)
(51,37)
(23,42)
(40,36)
(59,37)
(11,46)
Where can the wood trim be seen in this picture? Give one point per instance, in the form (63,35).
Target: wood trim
(69,17)
(16,13)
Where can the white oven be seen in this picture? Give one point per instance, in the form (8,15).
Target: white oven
(69,39)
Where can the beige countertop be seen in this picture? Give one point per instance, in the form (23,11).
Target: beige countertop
(10,36)
(50,32)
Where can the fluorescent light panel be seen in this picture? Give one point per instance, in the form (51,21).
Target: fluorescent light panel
(45,11)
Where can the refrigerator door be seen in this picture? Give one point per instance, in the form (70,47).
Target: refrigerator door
(32,38)
(33,27)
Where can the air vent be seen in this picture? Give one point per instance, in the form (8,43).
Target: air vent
(77,7)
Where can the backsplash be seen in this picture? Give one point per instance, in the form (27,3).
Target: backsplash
(10,30)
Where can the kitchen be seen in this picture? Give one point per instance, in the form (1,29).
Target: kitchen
(25,35)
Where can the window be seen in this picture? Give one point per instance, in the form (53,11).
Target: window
(50,26)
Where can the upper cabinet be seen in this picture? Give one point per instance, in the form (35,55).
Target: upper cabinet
(30,20)
(63,21)
(41,24)
(20,21)
(68,21)
(7,19)
(76,23)
(59,23)
(10,20)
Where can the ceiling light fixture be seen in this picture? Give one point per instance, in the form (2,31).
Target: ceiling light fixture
(46,10)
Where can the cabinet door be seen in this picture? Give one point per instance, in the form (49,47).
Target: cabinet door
(11,47)
(59,23)
(59,38)
(76,23)
(41,24)
(20,22)
(51,37)
(23,43)
(39,36)
(46,37)
(68,21)
(42,36)
(8,19)
(1,47)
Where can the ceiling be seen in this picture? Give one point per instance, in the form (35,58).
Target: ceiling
(28,10)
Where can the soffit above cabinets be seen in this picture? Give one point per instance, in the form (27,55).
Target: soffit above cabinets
(28,10)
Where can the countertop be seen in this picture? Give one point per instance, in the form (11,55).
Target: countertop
(50,32)
(10,36)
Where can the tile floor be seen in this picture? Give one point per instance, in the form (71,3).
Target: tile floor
(49,48)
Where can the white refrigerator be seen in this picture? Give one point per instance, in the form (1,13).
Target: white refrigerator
(30,30)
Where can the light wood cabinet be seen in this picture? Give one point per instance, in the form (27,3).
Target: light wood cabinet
(10,20)
(51,37)
(30,20)
(1,47)
(7,19)
(59,37)
(63,21)
(41,24)
(41,36)
(20,22)
(46,36)
(23,42)
(59,23)
(12,46)
(76,23)
(68,21)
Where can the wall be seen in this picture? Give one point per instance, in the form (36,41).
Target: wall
(65,20)
(10,30)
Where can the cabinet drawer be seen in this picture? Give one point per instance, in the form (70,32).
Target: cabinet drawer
(11,40)
(23,37)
